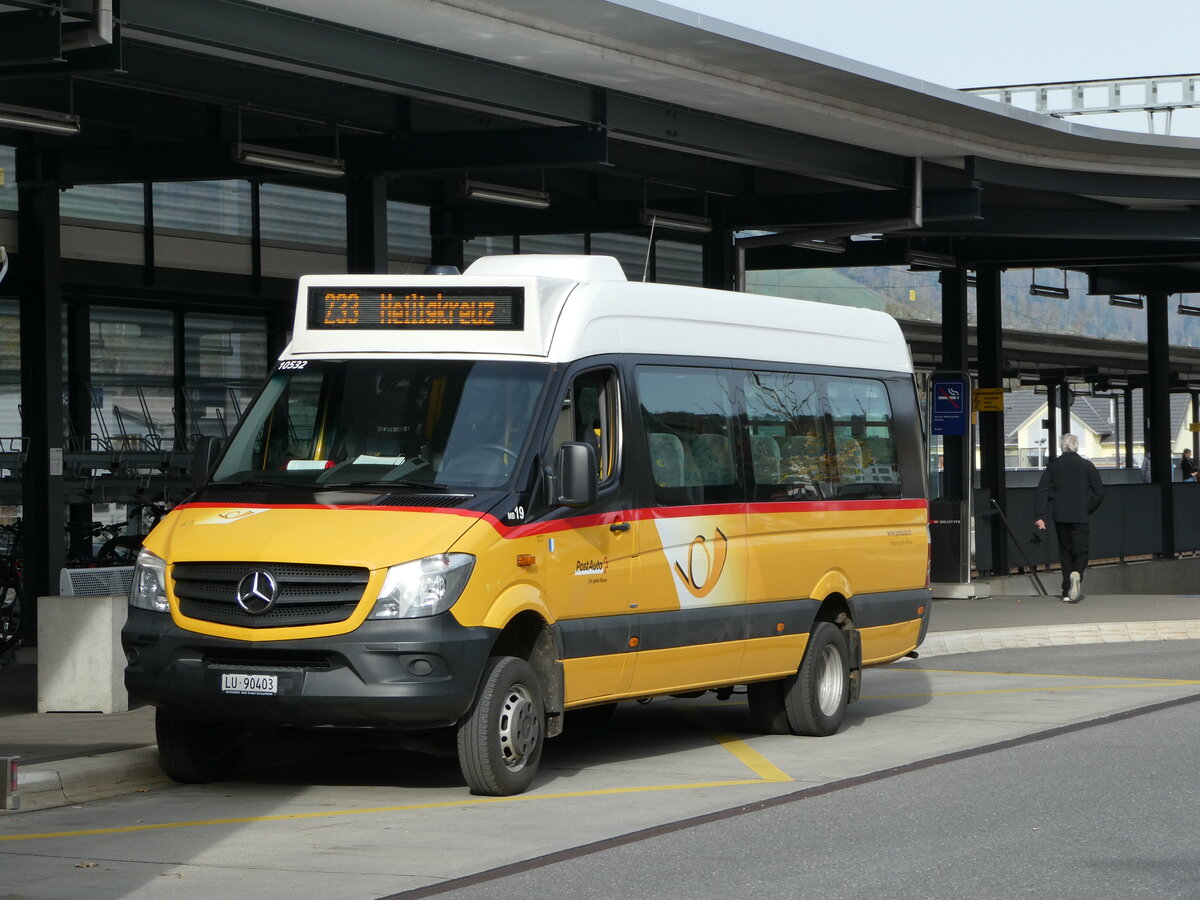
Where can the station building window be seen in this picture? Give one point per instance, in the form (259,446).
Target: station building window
(8,179)
(132,379)
(114,203)
(209,207)
(10,379)
(498,245)
(408,242)
(676,263)
(292,215)
(629,249)
(225,359)
(553,243)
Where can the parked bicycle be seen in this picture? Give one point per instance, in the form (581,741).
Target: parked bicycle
(11,597)
(119,546)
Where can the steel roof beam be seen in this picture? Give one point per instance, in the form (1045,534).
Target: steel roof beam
(1095,184)
(1089,224)
(850,208)
(500,148)
(324,52)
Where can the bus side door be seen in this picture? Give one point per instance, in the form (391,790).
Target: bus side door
(593,548)
(689,588)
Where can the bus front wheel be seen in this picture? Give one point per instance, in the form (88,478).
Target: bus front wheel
(500,741)
(196,752)
(815,698)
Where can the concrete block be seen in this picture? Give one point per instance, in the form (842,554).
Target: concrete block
(81,667)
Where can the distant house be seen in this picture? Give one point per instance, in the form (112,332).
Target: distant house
(1098,422)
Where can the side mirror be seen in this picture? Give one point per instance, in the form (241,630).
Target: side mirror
(575,475)
(204,457)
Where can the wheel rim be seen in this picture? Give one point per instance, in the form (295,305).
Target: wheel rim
(520,727)
(832,681)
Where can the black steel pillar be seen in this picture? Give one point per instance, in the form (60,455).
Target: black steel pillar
(42,513)
(1157,401)
(720,261)
(1063,399)
(1051,420)
(956,449)
(1127,402)
(366,211)
(79,415)
(991,424)
(446,247)
(1195,418)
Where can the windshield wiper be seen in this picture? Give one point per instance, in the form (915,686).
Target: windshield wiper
(384,485)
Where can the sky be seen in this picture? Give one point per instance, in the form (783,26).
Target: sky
(975,43)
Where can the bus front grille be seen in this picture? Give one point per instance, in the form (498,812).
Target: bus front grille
(306,594)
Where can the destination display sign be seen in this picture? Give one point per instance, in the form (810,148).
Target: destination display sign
(444,308)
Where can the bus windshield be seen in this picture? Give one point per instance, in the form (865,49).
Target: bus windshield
(451,424)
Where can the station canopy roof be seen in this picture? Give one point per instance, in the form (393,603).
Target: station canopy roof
(604,110)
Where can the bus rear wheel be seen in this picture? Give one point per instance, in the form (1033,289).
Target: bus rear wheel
(815,698)
(500,741)
(196,752)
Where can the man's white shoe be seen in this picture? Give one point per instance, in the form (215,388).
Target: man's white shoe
(1073,593)
(1066,599)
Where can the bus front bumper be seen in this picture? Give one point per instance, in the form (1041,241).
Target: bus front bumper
(408,674)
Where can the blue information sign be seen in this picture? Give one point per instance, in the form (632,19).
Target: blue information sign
(949,406)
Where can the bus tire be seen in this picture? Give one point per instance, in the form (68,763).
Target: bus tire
(817,695)
(500,741)
(196,752)
(767,712)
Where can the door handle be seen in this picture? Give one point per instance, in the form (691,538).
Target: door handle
(618,526)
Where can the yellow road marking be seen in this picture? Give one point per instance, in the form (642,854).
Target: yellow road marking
(767,772)
(445,804)
(747,755)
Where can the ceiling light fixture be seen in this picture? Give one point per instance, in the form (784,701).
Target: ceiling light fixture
(836,245)
(926,259)
(657,218)
(44,120)
(499,193)
(1050,290)
(1125,300)
(289,160)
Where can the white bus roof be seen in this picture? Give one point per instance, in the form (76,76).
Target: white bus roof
(574,307)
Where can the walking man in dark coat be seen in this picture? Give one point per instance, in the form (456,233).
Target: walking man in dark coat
(1069,492)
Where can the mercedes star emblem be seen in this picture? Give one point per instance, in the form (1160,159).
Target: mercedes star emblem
(257,592)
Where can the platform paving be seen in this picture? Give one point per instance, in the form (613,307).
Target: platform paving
(68,758)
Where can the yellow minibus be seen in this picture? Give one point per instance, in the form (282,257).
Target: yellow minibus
(471,504)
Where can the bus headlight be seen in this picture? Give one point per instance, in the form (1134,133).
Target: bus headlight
(423,587)
(149,589)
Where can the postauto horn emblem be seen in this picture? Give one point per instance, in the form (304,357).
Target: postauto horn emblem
(257,592)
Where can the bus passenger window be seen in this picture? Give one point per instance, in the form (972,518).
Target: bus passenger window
(690,430)
(864,438)
(788,446)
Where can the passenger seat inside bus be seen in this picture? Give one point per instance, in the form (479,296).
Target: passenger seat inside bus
(765,457)
(713,455)
(666,459)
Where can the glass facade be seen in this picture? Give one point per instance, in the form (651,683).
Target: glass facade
(225,360)
(118,203)
(292,215)
(210,207)
(408,232)
(132,378)
(8,179)
(631,251)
